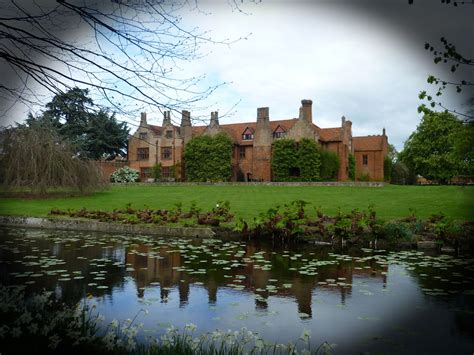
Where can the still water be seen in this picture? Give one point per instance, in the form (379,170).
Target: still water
(358,300)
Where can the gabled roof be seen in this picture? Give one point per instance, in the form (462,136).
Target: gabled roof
(155,129)
(250,129)
(330,134)
(367,143)
(279,128)
(235,130)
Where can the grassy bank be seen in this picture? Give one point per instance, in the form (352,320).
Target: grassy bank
(390,202)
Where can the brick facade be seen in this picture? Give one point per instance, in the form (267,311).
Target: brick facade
(251,158)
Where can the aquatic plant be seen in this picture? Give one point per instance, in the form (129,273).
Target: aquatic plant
(39,323)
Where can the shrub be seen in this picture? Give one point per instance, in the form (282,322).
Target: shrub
(125,175)
(364,177)
(329,165)
(156,172)
(394,232)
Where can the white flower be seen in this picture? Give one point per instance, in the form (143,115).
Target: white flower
(259,344)
(191,327)
(305,336)
(131,345)
(114,324)
(100,318)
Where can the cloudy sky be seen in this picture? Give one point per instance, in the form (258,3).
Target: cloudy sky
(361,59)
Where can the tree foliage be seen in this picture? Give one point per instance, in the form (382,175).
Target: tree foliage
(208,158)
(449,55)
(329,165)
(93,133)
(295,161)
(401,175)
(431,150)
(36,158)
(387,169)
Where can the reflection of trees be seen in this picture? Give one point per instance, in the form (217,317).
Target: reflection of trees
(76,258)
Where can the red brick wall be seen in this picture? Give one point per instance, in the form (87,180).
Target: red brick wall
(108,167)
(261,167)
(374,165)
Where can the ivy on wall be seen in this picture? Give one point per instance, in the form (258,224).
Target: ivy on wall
(295,161)
(329,165)
(208,158)
(352,167)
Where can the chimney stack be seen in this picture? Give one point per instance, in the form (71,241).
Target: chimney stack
(343,120)
(263,113)
(383,132)
(306,110)
(166,118)
(214,119)
(185,118)
(143,119)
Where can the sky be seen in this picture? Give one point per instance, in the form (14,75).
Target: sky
(364,60)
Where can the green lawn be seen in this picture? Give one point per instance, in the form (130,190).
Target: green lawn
(390,202)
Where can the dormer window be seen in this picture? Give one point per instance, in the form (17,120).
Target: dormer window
(279,132)
(247,135)
(143,135)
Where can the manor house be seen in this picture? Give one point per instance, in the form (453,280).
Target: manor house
(251,158)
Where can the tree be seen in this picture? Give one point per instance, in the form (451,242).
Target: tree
(36,158)
(208,158)
(387,169)
(430,150)
(126,52)
(93,134)
(451,56)
(401,175)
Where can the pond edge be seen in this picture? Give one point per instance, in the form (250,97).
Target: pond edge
(96,226)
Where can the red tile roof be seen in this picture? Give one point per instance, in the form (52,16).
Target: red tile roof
(367,143)
(235,130)
(330,134)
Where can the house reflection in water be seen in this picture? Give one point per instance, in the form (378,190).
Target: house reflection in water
(164,266)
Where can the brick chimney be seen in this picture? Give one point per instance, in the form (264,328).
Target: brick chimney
(214,119)
(166,118)
(306,111)
(186,129)
(185,118)
(263,113)
(383,132)
(143,119)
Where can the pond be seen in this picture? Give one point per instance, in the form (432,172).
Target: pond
(358,300)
